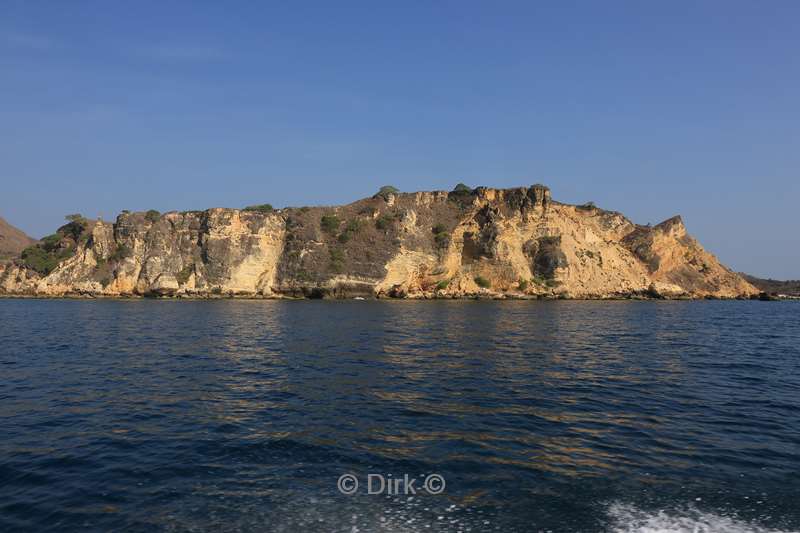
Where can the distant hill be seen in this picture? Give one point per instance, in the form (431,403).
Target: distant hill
(774,286)
(12,240)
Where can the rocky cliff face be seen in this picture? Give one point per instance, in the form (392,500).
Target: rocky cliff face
(492,242)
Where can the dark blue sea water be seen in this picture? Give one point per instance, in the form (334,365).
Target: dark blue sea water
(540,416)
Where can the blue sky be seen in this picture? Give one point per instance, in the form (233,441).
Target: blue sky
(650,108)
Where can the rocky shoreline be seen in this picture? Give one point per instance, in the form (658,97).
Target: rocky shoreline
(470,244)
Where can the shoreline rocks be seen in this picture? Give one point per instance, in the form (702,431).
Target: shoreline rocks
(488,243)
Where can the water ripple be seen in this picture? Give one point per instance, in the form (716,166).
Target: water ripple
(241,415)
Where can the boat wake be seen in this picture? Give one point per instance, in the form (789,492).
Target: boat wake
(629,519)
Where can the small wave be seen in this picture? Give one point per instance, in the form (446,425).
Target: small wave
(629,519)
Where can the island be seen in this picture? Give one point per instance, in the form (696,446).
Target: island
(465,243)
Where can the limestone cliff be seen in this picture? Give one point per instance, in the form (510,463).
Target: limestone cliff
(487,242)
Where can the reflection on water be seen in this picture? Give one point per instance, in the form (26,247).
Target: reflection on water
(242,414)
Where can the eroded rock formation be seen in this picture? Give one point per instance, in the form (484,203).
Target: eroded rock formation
(487,242)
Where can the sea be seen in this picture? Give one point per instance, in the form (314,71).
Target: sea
(399,416)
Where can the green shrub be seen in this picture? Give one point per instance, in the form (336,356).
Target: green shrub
(462,196)
(184,275)
(384,221)
(74,229)
(482,282)
(261,208)
(386,190)
(38,259)
(330,223)
(351,228)
(122,252)
(51,242)
(336,254)
(442,285)
(152,215)
(523,284)
(45,256)
(337,260)
(441,235)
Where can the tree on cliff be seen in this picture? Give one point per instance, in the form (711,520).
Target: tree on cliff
(386,190)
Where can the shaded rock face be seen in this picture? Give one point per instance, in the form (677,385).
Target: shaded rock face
(491,242)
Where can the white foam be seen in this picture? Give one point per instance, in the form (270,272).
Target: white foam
(629,519)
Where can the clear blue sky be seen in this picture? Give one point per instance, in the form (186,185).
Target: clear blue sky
(650,108)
